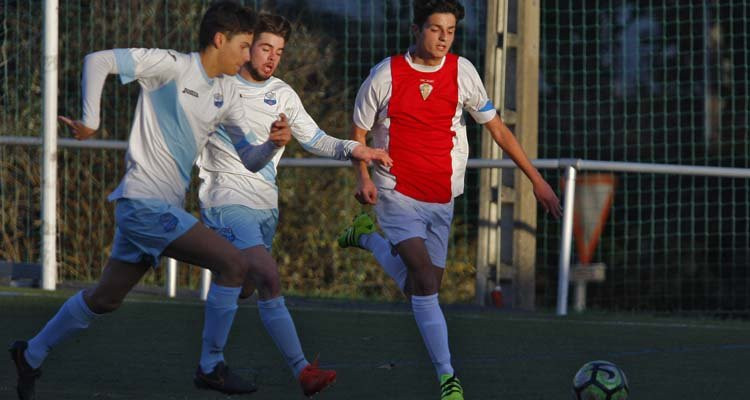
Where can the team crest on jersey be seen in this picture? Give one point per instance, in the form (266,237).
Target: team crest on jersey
(218,100)
(168,221)
(270,98)
(425,89)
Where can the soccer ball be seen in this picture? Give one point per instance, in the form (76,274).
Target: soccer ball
(600,380)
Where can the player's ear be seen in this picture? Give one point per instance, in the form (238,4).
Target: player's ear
(415,30)
(219,39)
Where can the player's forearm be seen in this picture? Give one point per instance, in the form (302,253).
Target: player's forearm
(359,135)
(507,141)
(96,67)
(330,147)
(254,158)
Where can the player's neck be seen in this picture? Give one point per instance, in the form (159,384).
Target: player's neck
(210,62)
(423,58)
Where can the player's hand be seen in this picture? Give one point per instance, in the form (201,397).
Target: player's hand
(548,199)
(367,193)
(368,154)
(80,131)
(281,132)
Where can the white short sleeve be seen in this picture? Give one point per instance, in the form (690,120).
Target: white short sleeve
(472,94)
(373,95)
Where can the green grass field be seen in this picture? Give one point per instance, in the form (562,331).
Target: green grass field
(149,350)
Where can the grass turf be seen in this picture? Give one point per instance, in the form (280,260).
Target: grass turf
(149,350)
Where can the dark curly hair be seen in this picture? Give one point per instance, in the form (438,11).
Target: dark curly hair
(273,24)
(424,8)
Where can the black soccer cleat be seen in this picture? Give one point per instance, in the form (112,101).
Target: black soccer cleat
(223,380)
(27,376)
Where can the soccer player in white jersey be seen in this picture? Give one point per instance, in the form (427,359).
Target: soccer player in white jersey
(413,104)
(183,98)
(243,206)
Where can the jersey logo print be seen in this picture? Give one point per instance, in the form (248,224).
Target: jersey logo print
(190,92)
(425,88)
(270,98)
(218,100)
(227,233)
(168,221)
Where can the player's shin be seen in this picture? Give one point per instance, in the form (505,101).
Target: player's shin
(221,306)
(73,317)
(434,330)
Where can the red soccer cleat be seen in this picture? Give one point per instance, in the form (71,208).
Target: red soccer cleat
(313,380)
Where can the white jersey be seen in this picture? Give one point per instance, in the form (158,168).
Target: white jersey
(178,107)
(372,107)
(226,181)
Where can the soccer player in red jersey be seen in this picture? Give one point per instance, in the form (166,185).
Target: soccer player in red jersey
(413,104)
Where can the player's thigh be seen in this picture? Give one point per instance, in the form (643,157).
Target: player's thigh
(117,280)
(203,247)
(424,277)
(414,253)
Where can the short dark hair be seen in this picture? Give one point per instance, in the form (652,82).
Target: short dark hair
(273,24)
(228,18)
(424,8)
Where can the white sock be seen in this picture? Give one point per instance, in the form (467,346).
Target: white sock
(221,305)
(73,316)
(279,325)
(386,255)
(434,330)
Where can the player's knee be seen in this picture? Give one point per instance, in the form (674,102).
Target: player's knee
(424,285)
(269,281)
(248,288)
(235,269)
(101,304)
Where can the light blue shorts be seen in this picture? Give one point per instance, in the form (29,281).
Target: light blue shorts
(145,227)
(402,217)
(244,227)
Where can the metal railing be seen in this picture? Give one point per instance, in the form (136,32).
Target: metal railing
(570,167)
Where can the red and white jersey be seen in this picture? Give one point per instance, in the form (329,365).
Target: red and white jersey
(415,112)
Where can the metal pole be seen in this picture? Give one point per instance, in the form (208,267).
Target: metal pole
(566,241)
(706,84)
(205,283)
(579,302)
(49,151)
(171,277)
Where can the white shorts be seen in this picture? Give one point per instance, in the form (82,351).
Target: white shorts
(402,218)
(145,227)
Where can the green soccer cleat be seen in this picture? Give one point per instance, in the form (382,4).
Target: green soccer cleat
(450,388)
(361,225)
